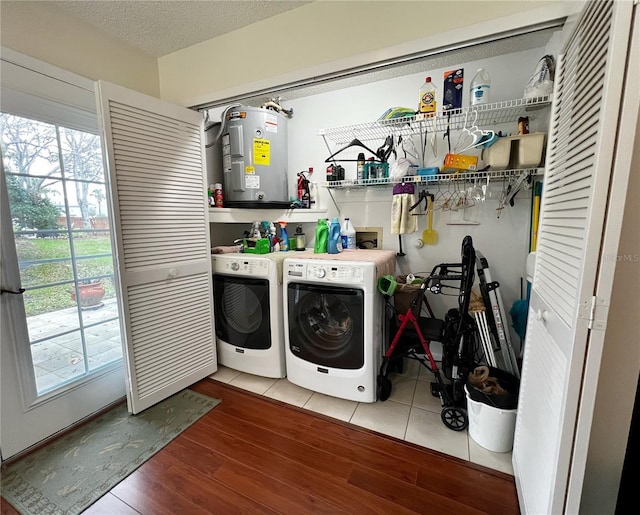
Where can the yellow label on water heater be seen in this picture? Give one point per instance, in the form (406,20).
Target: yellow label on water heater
(261,152)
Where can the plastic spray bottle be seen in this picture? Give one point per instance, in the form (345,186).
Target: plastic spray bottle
(334,244)
(284,237)
(322,235)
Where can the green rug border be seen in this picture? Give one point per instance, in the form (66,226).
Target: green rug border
(36,500)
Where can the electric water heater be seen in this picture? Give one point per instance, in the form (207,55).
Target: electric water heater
(254,158)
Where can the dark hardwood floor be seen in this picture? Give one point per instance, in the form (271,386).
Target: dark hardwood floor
(254,454)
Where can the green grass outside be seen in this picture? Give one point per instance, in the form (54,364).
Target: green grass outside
(53,298)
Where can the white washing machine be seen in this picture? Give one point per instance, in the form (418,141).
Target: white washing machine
(334,326)
(247,295)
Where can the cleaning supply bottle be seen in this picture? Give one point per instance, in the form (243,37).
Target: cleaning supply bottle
(218,195)
(273,239)
(348,235)
(360,168)
(480,88)
(322,235)
(428,98)
(334,244)
(301,242)
(284,237)
(255,231)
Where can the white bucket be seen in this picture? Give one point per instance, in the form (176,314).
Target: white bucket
(491,428)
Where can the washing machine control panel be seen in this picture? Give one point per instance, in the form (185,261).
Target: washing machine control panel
(348,274)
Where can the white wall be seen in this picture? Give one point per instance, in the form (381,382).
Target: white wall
(39,30)
(503,241)
(316,37)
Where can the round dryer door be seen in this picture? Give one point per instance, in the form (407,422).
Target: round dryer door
(242,311)
(326,325)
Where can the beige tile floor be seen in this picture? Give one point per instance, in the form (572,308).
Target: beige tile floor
(411,413)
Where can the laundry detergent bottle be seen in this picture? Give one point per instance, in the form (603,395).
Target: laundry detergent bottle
(322,237)
(334,244)
(348,235)
(428,98)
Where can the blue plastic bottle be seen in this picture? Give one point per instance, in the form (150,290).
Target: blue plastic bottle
(334,245)
(284,237)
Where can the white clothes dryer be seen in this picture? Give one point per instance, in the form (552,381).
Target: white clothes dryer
(334,326)
(247,295)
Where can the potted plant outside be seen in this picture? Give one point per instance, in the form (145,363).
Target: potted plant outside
(91,294)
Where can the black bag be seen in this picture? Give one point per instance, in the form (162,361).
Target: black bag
(507,381)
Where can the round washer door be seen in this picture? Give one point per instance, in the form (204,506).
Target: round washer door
(326,325)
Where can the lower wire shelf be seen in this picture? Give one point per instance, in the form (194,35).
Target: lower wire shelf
(433,179)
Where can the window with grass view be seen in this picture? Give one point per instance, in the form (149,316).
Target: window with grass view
(58,203)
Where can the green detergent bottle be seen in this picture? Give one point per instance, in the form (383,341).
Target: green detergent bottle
(322,237)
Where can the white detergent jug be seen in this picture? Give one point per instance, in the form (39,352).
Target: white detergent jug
(480,87)
(348,235)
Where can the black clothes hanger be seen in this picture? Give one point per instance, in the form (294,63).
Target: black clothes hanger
(386,149)
(447,134)
(355,143)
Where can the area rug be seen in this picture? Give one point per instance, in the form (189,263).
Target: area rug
(71,473)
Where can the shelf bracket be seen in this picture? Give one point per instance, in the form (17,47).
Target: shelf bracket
(333,200)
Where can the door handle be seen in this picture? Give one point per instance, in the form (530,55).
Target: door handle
(19,292)
(541,316)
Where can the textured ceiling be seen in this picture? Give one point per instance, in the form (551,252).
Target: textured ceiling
(162,27)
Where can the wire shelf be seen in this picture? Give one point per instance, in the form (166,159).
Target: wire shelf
(481,115)
(433,179)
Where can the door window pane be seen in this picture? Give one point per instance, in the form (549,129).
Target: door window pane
(30,148)
(81,157)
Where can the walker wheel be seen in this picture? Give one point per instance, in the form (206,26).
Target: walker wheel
(384,388)
(454,418)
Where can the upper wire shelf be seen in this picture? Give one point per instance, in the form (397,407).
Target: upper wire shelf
(487,114)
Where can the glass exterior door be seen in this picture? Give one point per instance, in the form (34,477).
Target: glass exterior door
(60,226)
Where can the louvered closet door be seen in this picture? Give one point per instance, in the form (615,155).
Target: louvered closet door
(579,161)
(155,156)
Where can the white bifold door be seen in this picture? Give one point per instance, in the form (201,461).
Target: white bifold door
(155,160)
(567,314)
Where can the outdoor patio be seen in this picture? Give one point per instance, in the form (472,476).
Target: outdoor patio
(57,359)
